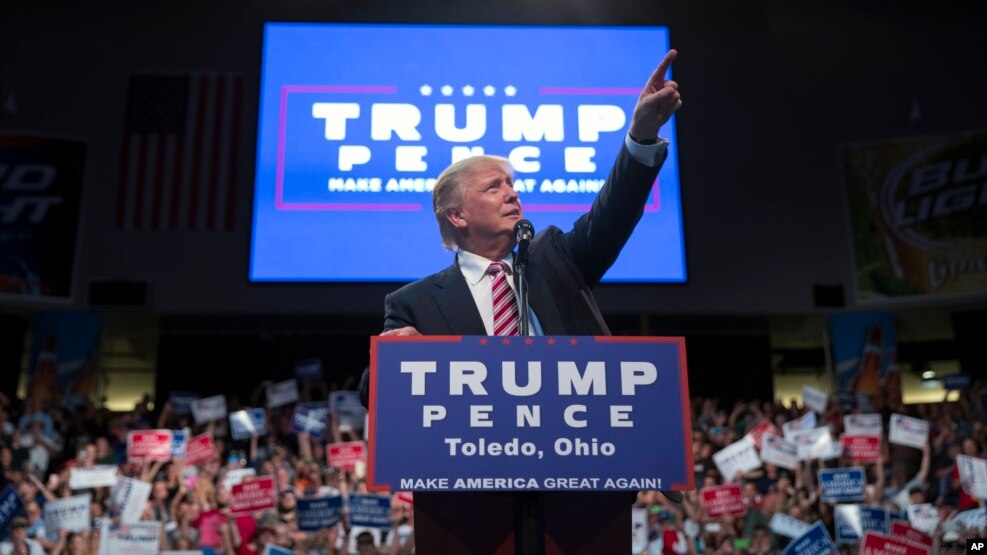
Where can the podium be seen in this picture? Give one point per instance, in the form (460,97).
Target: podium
(527,445)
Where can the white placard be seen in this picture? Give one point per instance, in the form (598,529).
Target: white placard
(785,525)
(806,422)
(237,475)
(779,451)
(99,476)
(862,425)
(814,399)
(139,538)
(129,499)
(973,475)
(639,530)
(971,519)
(849,515)
(835,450)
(209,409)
(924,517)
(740,456)
(816,443)
(68,513)
(282,393)
(905,430)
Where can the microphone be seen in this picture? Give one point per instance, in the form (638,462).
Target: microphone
(523,232)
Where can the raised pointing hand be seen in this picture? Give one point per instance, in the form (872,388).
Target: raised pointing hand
(658,101)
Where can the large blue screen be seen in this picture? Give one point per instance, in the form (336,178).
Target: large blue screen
(357,121)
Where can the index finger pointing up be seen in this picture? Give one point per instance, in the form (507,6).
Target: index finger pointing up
(659,75)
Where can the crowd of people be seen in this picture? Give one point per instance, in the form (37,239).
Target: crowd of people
(41,445)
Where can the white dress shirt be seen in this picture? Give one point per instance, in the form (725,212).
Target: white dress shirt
(474,268)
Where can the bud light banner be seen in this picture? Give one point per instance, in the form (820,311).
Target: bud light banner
(40,191)
(534,413)
(916,210)
(357,122)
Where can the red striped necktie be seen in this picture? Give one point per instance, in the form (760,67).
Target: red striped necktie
(505,311)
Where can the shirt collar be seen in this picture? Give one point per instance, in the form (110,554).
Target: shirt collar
(474,266)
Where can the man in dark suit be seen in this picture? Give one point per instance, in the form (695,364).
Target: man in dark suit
(477,209)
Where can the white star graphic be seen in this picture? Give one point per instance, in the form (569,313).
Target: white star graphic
(425,90)
(489,90)
(446,90)
(510,90)
(468,90)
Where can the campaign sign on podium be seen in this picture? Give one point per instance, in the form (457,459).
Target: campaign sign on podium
(471,413)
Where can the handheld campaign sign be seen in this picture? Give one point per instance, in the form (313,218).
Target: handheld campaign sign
(815,443)
(849,524)
(909,431)
(346,454)
(814,399)
(69,513)
(787,526)
(282,393)
(763,428)
(778,451)
(814,540)
(861,448)
(924,517)
(879,544)
(973,475)
(310,369)
(956,381)
(310,421)
(875,519)
(739,456)
(179,443)
(972,519)
(862,425)
(723,500)
(347,409)
(237,475)
(245,423)
(149,445)
(909,534)
(369,510)
(137,538)
(358,145)
(200,449)
(209,409)
(181,402)
(842,484)
(315,513)
(10,506)
(255,495)
(99,476)
(128,498)
(539,413)
(805,422)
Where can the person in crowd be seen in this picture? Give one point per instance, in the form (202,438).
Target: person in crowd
(19,543)
(192,502)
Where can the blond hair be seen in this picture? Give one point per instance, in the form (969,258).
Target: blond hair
(448,191)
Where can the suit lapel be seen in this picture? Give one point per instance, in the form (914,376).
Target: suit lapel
(456,303)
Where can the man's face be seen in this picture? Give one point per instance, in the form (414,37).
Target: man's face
(490,206)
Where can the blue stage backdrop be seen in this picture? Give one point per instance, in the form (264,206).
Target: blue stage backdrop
(357,121)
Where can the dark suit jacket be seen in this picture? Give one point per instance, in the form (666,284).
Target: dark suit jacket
(562,269)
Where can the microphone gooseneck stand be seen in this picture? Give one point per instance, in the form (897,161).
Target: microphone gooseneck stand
(529,526)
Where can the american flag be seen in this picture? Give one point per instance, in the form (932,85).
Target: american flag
(179,160)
